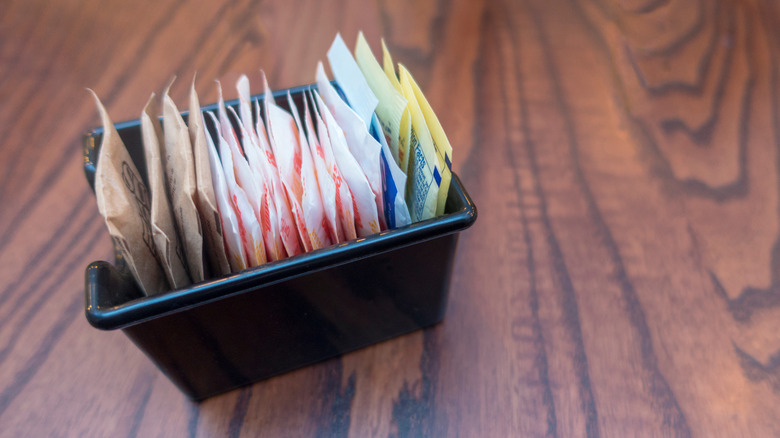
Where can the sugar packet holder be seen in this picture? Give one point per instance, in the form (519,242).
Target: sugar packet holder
(230,331)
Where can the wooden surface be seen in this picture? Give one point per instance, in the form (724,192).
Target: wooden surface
(623,278)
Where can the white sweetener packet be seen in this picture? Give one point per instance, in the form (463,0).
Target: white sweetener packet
(206,200)
(248,225)
(366,217)
(269,222)
(234,247)
(283,137)
(330,204)
(313,211)
(363,101)
(361,145)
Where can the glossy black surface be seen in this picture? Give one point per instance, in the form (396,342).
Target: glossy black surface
(231,331)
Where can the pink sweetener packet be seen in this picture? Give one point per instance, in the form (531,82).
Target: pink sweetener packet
(366,216)
(324,178)
(284,140)
(345,205)
(269,221)
(248,225)
(231,233)
(286,223)
(313,212)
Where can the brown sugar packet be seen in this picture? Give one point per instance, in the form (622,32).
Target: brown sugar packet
(180,173)
(206,200)
(166,239)
(123,200)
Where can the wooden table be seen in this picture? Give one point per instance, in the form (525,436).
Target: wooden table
(623,278)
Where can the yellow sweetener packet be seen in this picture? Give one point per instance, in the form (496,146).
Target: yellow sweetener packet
(440,142)
(423,190)
(392,111)
(389,67)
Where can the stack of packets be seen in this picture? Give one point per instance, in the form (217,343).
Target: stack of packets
(268,187)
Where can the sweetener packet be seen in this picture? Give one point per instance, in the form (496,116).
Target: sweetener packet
(391,107)
(164,234)
(393,182)
(363,198)
(248,225)
(424,171)
(405,135)
(330,203)
(361,145)
(180,174)
(440,143)
(206,201)
(231,230)
(123,200)
(284,140)
(249,180)
(244,177)
(345,203)
(311,202)
(287,228)
(363,101)
(269,222)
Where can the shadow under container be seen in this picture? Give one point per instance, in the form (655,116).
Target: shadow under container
(231,331)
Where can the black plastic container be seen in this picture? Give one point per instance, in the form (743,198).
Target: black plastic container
(227,332)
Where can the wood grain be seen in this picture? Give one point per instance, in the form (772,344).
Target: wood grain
(623,278)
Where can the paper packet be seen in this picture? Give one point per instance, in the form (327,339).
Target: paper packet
(404,144)
(284,140)
(245,180)
(164,233)
(330,204)
(361,145)
(206,201)
(123,200)
(363,200)
(345,203)
(311,202)
(423,190)
(361,98)
(287,228)
(248,225)
(231,232)
(180,173)
(440,143)
(391,107)
(269,222)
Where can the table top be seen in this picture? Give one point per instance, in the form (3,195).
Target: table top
(623,277)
